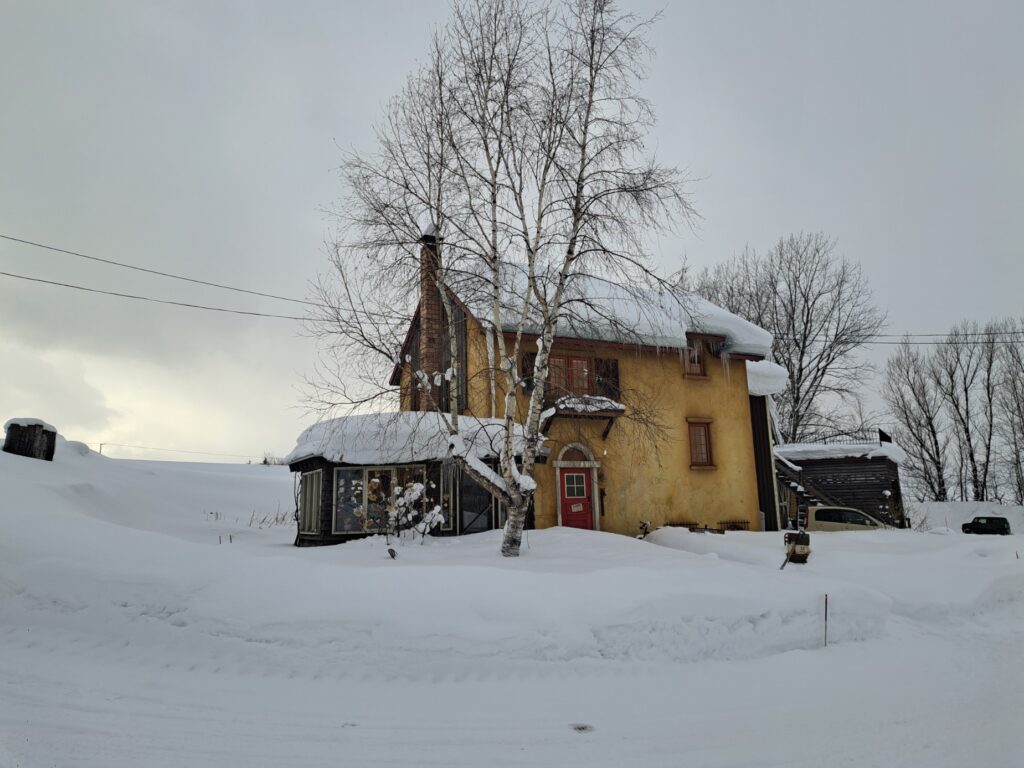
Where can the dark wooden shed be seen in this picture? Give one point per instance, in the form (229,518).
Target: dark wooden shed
(33,438)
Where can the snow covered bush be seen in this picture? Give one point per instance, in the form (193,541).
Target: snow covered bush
(404,510)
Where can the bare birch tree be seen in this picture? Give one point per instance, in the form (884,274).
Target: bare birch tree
(915,402)
(521,142)
(820,311)
(959,412)
(1010,408)
(964,368)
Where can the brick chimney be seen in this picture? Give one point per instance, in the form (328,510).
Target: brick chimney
(431,316)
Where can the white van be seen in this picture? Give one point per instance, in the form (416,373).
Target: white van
(840,519)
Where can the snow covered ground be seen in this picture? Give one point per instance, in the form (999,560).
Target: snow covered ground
(156,614)
(938,515)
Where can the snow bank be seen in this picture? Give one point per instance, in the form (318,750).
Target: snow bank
(936,515)
(766,378)
(190,501)
(131,540)
(131,637)
(796,452)
(399,437)
(916,575)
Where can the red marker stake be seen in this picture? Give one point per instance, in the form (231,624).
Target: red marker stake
(826,619)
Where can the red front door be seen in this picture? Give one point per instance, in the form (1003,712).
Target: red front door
(577,511)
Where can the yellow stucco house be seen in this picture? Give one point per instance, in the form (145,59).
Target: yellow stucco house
(668,428)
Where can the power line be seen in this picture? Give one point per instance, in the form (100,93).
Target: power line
(150,298)
(943,339)
(384,318)
(157,272)
(178,450)
(249,313)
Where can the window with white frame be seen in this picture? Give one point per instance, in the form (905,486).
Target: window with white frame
(310,486)
(575,485)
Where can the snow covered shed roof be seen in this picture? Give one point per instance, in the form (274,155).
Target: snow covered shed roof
(29,422)
(796,452)
(397,438)
(766,378)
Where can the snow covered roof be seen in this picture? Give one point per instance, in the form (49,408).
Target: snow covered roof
(766,378)
(601,310)
(588,404)
(29,422)
(397,438)
(811,451)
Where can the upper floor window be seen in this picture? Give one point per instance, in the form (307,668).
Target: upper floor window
(693,359)
(700,443)
(570,376)
(574,375)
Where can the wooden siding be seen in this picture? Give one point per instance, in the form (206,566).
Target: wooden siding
(859,483)
(33,441)
(764,463)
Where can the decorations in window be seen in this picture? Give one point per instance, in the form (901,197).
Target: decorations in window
(386,500)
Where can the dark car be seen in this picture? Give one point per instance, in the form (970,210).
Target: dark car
(997,525)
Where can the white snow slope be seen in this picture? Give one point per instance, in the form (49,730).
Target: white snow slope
(938,515)
(130,637)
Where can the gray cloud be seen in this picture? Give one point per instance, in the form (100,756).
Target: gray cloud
(200,138)
(54,388)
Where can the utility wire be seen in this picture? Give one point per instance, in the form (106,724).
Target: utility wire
(999,337)
(158,272)
(199,281)
(387,319)
(206,307)
(178,450)
(149,298)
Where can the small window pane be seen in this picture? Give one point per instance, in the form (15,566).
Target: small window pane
(694,359)
(378,498)
(309,502)
(575,485)
(348,488)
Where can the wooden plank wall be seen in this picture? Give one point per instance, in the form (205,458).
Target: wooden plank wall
(859,483)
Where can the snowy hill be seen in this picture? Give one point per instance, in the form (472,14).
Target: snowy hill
(937,515)
(130,636)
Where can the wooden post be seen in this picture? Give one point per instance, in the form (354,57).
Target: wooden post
(826,619)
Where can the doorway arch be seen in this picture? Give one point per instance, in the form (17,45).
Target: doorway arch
(577,497)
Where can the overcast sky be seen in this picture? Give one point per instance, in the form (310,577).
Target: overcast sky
(200,138)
